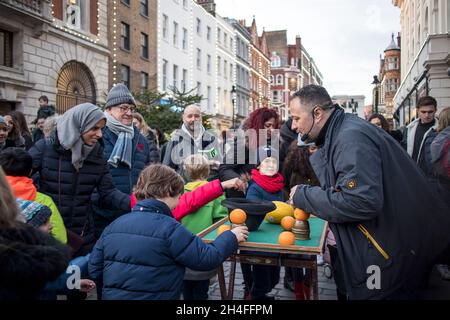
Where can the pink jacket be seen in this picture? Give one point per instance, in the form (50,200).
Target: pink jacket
(194,200)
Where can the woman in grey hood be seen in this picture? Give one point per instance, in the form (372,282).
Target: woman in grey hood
(71,166)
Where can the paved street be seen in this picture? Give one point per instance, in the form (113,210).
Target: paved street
(327,288)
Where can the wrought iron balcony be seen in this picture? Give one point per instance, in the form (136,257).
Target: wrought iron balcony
(38,9)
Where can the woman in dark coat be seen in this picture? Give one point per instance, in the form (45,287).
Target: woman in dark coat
(21,122)
(29,258)
(241,158)
(71,165)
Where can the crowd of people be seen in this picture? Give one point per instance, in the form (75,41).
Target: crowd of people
(103,191)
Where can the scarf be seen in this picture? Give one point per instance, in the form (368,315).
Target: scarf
(197,139)
(72,125)
(271,184)
(123,148)
(22,187)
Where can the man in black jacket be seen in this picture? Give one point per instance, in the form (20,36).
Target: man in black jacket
(388,226)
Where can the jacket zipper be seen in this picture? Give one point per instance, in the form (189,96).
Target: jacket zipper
(373,241)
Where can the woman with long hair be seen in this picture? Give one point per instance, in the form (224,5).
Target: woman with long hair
(19,118)
(259,124)
(14,133)
(379,121)
(239,162)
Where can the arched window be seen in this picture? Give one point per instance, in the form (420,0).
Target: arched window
(279,79)
(75,85)
(271,79)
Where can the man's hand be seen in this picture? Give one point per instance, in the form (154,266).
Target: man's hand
(235,183)
(86,285)
(241,233)
(291,196)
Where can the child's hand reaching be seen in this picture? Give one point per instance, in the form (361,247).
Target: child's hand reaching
(86,285)
(235,183)
(241,233)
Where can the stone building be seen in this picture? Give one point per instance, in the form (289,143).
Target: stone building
(54,48)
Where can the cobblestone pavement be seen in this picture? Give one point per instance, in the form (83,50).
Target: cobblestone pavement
(327,288)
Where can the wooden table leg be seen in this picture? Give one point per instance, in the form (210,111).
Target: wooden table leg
(315,284)
(222,284)
(232,276)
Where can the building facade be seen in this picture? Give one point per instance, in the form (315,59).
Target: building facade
(285,72)
(132,44)
(389,78)
(425,55)
(242,71)
(259,69)
(352,104)
(54,48)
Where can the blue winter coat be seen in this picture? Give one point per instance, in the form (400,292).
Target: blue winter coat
(256,192)
(368,182)
(142,255)
(123,177)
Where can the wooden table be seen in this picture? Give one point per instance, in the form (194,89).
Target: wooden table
(265,240)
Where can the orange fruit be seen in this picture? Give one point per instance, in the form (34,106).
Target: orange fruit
(299,214)
(238,216)
(286,238)
(223,228)
(287,223)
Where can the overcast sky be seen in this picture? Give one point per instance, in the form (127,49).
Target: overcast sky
(345,37)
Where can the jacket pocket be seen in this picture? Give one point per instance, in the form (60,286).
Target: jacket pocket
(371,255)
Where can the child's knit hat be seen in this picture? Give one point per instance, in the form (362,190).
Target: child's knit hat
(35,214)
(266,152)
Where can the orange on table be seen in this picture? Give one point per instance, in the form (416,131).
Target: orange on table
(300,214)
(223,228)
(238,216)
(286,238)
(287,223)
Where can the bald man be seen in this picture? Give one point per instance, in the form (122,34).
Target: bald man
(192,138)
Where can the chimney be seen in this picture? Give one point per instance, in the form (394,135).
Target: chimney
(208,5)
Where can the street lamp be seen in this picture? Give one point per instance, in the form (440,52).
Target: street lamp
(354,106)
(233,101)
(376,82)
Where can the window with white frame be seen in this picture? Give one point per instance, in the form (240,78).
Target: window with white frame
(199,27)
(208,64)
(125,70)
(279,79)
(144,80)
(185,36)
(165,25)
(225,70)
(175,76)
(175,33)
(144,45)
(199,88)
(199,58)
(208,33)
(184,80)
(164,74)
(219,66)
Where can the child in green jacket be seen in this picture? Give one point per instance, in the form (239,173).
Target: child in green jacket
(197,169)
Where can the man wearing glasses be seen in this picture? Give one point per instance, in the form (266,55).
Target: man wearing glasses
(127,151)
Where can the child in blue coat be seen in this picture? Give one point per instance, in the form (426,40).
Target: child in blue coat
(143,255)
(266,184)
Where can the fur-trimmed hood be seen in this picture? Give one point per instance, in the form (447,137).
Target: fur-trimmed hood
(29,259)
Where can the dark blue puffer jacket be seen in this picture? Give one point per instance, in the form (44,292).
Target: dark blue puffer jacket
(71,190)
(142,255)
